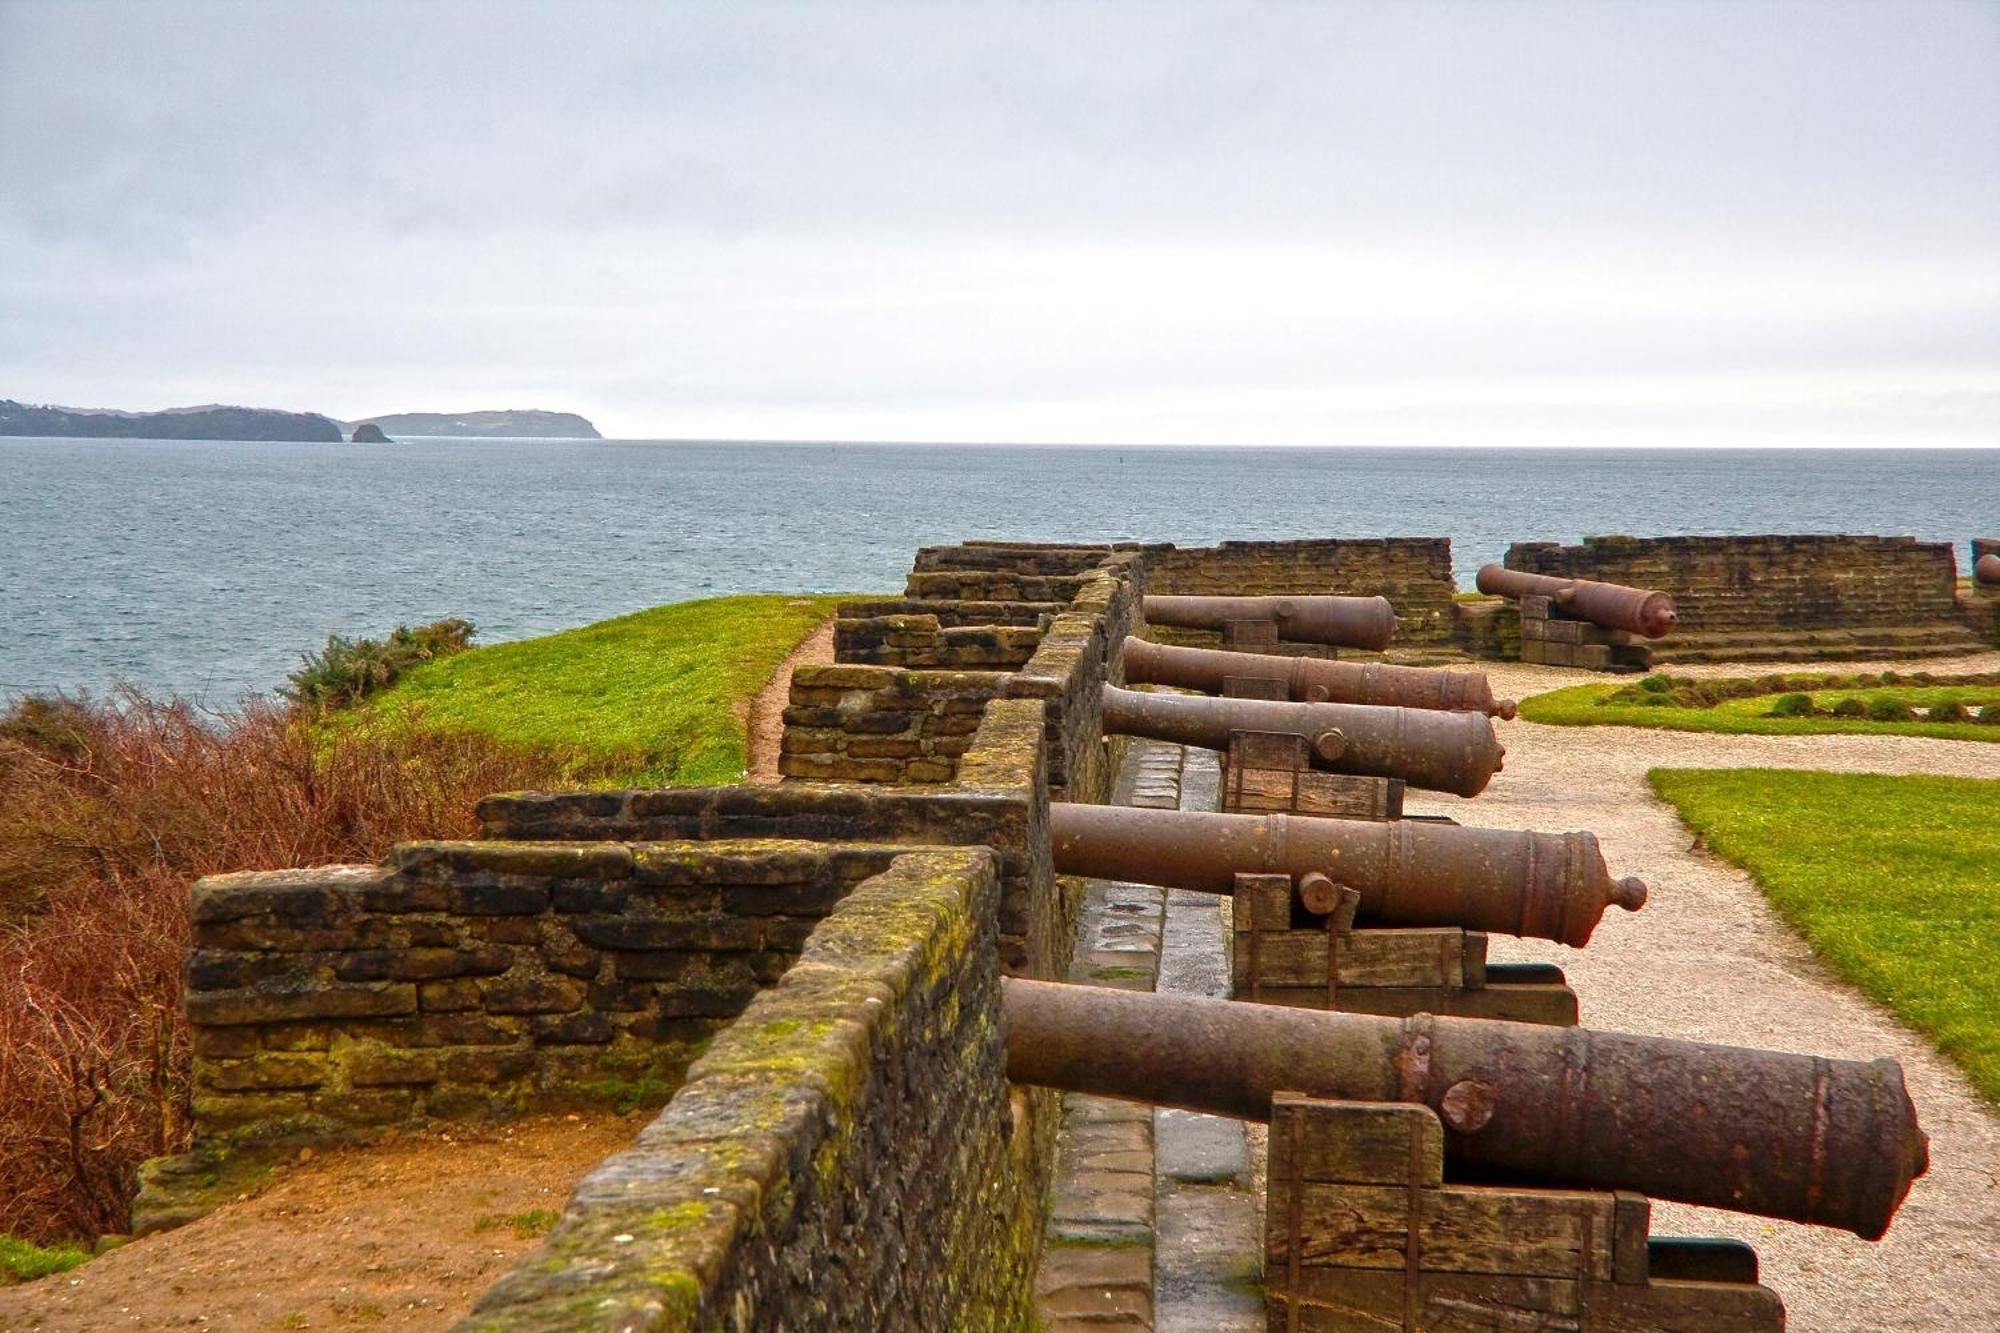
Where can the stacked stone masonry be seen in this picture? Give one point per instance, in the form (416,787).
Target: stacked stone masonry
(882,714)
(842,1157)
(1779,596)
(1414,573)
(999,800)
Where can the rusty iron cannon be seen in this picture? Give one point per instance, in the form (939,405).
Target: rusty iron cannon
(1315,680)
(1986,570)
(1343,622)
(1454,752)
(1806,1138)
(1551,886)
(1642,611)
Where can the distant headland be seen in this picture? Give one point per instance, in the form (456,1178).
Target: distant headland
(212,422)
(217,422)
(527,424)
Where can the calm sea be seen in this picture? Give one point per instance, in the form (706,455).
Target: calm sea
(206,568)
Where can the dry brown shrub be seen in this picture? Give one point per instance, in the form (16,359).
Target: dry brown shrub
(109,810)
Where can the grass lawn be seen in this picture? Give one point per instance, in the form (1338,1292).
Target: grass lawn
(649,698)
(1578,706)
(1894,881)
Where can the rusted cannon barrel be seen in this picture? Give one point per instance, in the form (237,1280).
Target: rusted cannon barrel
(1315,680)
(1612,605)
(1986,570)
(1800,1137)
(1550,886)
(1344,622)
(1454,752)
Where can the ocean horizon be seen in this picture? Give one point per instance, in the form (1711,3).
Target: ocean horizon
(206,568)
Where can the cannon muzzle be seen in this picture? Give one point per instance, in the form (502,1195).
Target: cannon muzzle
(1551,886)
(1454,752)
(1613,605)
(1986,570)
(1343,622)
(1313,679)
(1805,1138)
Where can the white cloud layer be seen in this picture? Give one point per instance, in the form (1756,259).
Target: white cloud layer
(1460,224)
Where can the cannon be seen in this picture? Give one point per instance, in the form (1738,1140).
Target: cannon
(1805,1138)
(1551,886)
(1986,570)
(1313,679)
(1343,622)
(1454,752)
(1646,613)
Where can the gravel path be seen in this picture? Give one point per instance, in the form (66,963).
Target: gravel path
(764,720)
(1708,960)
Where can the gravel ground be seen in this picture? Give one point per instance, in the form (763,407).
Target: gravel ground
(1708,960)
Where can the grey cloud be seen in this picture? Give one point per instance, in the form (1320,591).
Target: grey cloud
(898,207)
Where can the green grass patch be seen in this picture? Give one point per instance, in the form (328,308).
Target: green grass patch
(525,1226)
(23,1262)
(1894,881)
(1593,705)
(649,699)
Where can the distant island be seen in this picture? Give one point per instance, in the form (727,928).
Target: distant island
(526,424)
(211,422)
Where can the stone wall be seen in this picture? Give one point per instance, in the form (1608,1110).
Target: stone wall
(870,722)
(842,1157)
(999,799)
(951,634)
(1414,573)
(475,980)
(1779,596)
(1753,583)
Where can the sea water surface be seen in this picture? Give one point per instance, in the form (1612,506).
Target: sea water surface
(207,568)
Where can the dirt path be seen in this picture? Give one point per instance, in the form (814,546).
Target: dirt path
(402,1236)
(766,720)
(1708,960)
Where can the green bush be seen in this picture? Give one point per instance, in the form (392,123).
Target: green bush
(1656,684)
(1890,710)
(1792,705)
(1950,711)
(347,671)
(1990,715)
(1850,707)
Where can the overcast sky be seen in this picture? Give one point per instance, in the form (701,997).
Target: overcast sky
(1267,223)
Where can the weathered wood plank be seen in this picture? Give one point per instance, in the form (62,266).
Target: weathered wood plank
(1333,1300)
(1367,958)
(1461,1229)
(1682,1307)
(1353,1142)
(1551,1005)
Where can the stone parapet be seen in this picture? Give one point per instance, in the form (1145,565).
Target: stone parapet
(474,980)
(1726,584)
(1414,573)
(843,1156)
(888,713)
(999,799)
